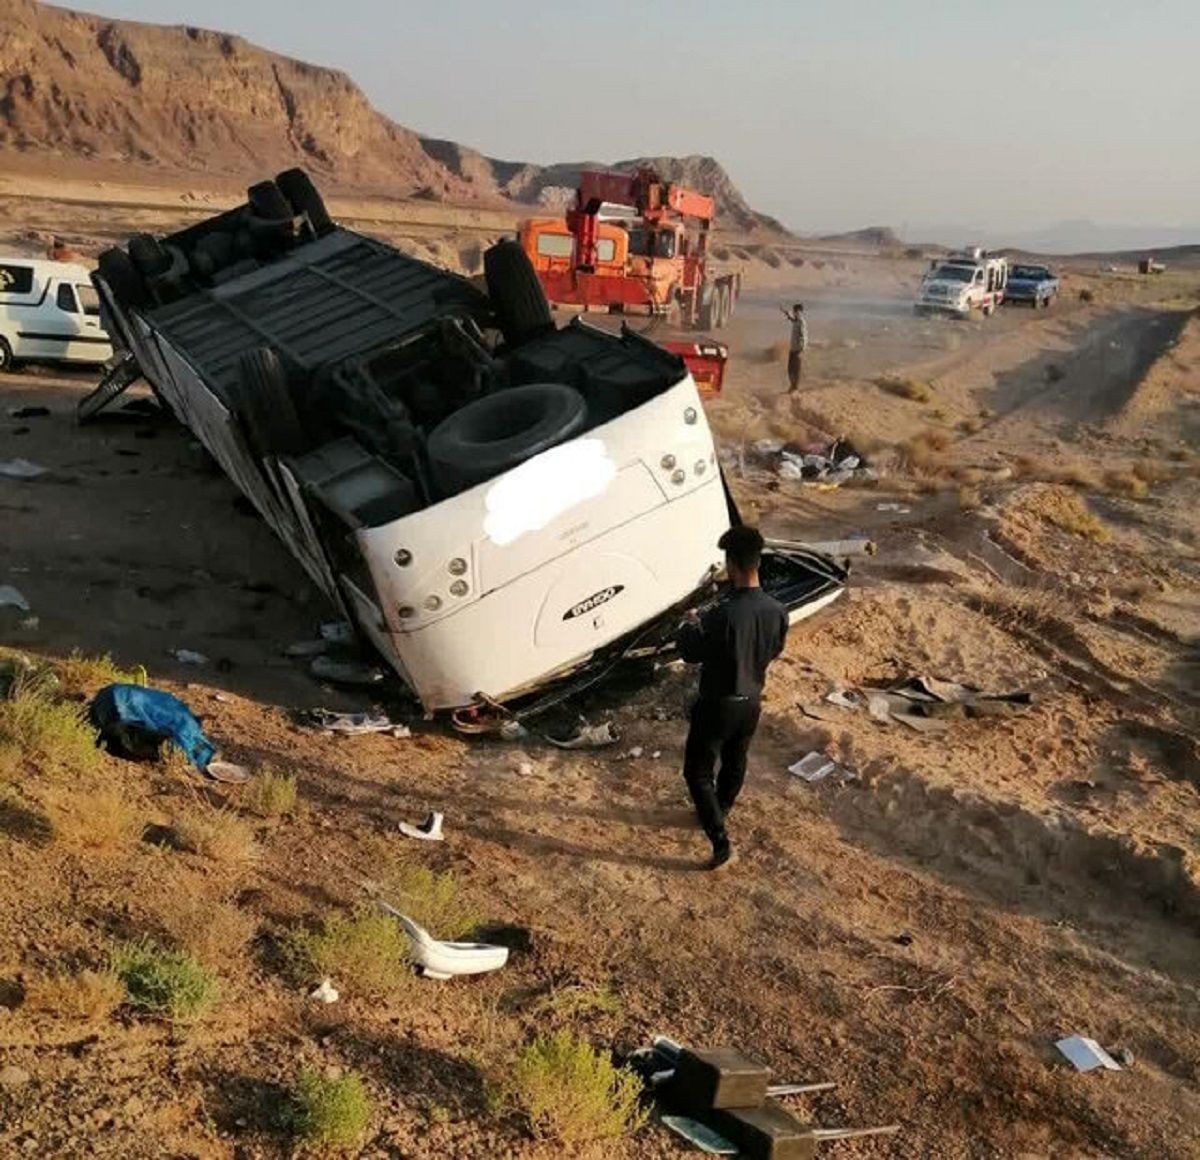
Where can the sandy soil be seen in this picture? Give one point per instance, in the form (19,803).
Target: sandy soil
(920,935)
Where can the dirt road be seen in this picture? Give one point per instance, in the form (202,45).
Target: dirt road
(920,934)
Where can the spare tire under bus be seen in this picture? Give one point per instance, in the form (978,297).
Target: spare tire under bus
(499,431)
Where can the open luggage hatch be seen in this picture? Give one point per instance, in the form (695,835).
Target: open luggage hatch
(802,580)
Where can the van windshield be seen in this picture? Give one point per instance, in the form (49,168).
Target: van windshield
(954,273)
(1029,272)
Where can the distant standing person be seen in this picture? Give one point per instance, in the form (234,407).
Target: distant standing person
(798,344)
(734,641)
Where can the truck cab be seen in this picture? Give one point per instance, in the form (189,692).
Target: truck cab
(49,312)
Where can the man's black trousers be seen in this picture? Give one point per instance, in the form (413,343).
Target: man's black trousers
(721,731)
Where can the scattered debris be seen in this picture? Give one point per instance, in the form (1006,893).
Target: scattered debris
(325,993)
(345,672)
(228,772)
(844,699)
(1124,1056)
(776,1090)
(337,632)
(903,939)
(589,737)
(28,412)
(513,730)
(445,960)
(11,597)
(813,766)
(635,752)
(134,722)
(919,701)
(354,724)
(187,656)
(430,830)
(1086,1054)
(828,464)
(306,648)
(903,509)
(21,469)
(697,1133)
(855,546)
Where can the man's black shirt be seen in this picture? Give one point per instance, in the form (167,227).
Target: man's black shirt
(735,641)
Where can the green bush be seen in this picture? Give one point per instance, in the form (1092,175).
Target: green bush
(330,1113)
(167,983)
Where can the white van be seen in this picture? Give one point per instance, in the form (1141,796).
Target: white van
(49,312)
(495,503)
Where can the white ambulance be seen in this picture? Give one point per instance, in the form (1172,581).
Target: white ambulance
(49,312)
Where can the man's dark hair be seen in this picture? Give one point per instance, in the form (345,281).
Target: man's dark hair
(743,545)
(799,306)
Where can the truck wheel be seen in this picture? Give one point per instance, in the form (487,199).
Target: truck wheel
(122,278)
(726,306)
(148,255)
(296,186)
(499,431)
(518,300)
(6,359)
(264,403)
(707,307)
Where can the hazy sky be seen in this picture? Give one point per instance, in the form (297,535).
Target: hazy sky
(831,115)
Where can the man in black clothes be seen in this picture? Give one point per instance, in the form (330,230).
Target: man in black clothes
(734,642)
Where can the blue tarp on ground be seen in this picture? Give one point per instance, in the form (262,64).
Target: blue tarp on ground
(155,713)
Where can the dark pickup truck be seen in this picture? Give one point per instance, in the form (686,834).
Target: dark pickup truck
(1036,285)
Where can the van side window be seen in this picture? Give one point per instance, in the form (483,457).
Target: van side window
(89,300)
(15,279)
(66,298)
(606,250)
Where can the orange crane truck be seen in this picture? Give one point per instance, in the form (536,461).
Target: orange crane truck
(653,262)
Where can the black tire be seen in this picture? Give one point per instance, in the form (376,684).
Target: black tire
(267,201)
(121,276)
(518,300)
(499,431)
(6,356)
(148,255)
(707,307)
(723,317)
(264,403)
(303,197)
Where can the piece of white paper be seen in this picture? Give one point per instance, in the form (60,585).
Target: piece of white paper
(1086,1054)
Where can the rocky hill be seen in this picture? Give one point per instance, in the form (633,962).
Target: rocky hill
(181,99)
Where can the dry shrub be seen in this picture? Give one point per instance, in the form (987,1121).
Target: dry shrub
(1025,467)
(573,1094)
(905,388)
(84,674)
(924,454)
(88,996)
(1152,471)
(1055,373)
(330,1115)
(93,819)
(1067,511)
(775,352)
(216,832)
(1077,475)
(1086,296)
(1180,454)
(1125,483)
(367,950)
(1030,609)
(969,499)
(971,426)
(270,794)
(214,931)
(45,730)
(577,1001)
(435,901)
(970,476)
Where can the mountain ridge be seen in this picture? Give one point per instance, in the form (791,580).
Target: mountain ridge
(90,89)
